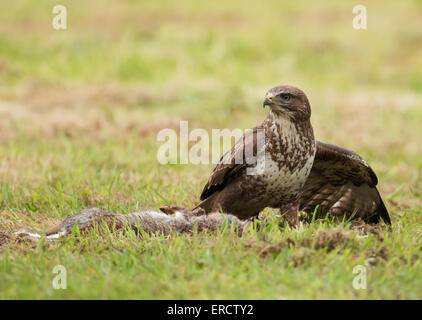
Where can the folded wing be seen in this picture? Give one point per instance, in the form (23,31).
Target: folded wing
(230,163)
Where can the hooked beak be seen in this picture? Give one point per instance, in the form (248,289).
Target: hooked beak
(268,100)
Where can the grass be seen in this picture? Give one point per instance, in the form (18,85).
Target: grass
(80,110)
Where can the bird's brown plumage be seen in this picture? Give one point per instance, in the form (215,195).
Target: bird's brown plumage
(227,166)
(283,160)
(335,180)
(342,183)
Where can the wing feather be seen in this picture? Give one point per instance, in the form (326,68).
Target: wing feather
(229,163)
(341,182)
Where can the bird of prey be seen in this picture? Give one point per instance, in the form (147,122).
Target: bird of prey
(297,173)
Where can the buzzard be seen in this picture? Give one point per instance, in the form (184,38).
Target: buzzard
(297,173)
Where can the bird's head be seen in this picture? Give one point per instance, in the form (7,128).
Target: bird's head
(289,102)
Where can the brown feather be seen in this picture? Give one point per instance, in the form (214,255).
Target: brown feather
(341,182)
(227,166)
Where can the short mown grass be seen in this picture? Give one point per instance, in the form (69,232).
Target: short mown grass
(80,110)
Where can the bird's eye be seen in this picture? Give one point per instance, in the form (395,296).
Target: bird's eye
(285,97)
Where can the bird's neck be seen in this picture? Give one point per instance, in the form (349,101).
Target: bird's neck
(288,127)
(288,138)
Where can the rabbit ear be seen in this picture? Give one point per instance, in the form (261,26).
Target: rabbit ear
(166,210)
(171,209)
